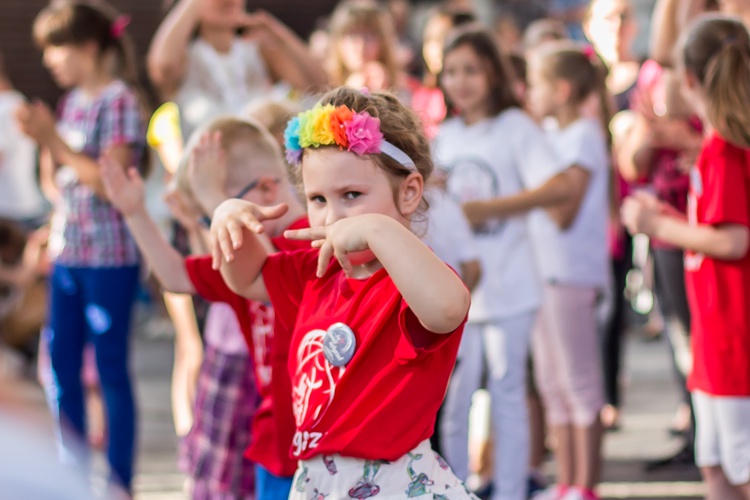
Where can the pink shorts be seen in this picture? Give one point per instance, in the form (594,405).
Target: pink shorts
(565,347)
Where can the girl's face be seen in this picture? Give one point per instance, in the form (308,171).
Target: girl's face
(465,80)
(543,92)
(359,46)
(339,184)
(612,29)
(737,7)
(222,13)
(433,39)
(70,65)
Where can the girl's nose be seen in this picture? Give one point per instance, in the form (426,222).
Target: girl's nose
(333,214)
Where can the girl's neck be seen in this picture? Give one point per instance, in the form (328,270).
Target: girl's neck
(472,116)
(566,115)
(218,37)
(93,84)
(5,84)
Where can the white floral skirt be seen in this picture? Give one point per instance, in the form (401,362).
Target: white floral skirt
(421,473)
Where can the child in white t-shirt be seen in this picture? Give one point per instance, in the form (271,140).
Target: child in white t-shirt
(20,198)
(493,150)
(219,71)
(450,237)
(571,249)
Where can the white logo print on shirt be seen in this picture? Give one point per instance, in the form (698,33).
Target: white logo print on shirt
(314,381)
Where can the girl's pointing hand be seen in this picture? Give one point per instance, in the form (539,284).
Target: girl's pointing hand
(228,221)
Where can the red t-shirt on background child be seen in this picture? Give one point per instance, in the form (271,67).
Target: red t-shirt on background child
(383,402)
(719,290)
(273,423)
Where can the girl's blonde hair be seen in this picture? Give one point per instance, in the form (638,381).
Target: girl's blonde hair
(716,51)
(272,114)
(266,153)
(399,125)
(364,15)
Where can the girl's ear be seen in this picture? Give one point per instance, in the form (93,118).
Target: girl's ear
(91,48)
(690,81)
(563,90)
(410,193)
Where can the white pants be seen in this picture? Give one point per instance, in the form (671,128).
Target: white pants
(722,434)
(504,346)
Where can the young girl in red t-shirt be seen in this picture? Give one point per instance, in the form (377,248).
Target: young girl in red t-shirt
(715,59)
(377,317)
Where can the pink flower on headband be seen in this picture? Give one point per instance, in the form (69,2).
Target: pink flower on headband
(364,134)
(118,26)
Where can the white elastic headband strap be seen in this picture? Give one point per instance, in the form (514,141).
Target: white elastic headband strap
(390,150)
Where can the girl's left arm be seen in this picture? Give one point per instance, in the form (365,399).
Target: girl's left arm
(563,188)
(87,168)
(37,121)
(643,213)
(286,56)
(435,294)
(725,242)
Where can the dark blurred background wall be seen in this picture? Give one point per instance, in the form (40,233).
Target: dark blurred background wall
(23,60)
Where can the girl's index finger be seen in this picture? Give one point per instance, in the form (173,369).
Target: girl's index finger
(310,233)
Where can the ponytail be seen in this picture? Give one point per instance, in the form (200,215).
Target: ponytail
(727,87)
(584,70)
(716,51)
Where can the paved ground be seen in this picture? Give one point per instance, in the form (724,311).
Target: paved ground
(650,403)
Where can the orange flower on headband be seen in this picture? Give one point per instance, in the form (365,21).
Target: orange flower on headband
(339,117)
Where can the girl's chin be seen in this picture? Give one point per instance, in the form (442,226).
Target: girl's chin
(361,258)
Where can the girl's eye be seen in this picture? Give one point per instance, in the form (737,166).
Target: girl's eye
(317,199)
(352,195)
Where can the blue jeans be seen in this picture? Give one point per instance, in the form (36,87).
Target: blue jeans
(271,487)
(92,305)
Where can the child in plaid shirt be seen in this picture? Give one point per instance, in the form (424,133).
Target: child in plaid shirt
(95,260)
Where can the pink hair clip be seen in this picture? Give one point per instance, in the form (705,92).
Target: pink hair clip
(589,52)
(118,26)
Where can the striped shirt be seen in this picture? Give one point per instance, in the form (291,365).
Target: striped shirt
(87,231)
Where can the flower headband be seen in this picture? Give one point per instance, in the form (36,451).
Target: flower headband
(358,132)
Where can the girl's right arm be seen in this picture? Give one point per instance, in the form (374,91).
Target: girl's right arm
(567,187)
(167,55)
(238,251)
(125,192)
(47,175)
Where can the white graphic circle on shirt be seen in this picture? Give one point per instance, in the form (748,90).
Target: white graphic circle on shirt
(339,344)
(471,178)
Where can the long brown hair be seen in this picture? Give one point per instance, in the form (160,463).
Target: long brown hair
(499,75)
(716,51)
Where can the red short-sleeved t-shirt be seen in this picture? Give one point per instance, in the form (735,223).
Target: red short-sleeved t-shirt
(273,423)
(383,403)
(719,290)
